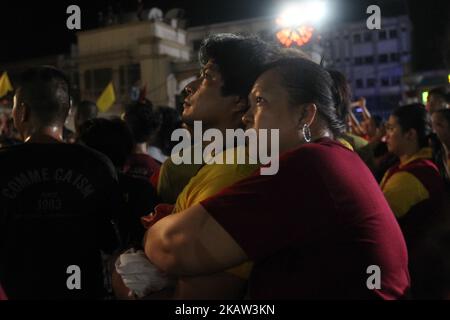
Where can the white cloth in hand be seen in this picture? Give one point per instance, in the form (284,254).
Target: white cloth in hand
(139,274)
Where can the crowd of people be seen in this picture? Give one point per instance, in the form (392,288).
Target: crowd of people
(350,194)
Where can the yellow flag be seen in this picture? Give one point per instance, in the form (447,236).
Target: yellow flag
(107,98)
(5,84)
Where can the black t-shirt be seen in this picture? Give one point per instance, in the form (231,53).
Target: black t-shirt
(58,207)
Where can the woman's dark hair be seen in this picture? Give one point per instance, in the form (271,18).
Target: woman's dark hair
(308,82)
(414,116)
(343,94)
(142,120)
(112,137)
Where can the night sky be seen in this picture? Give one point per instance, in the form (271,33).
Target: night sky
(38,28)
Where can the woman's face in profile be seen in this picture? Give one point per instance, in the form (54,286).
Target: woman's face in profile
(270,109)
(441,127)
(394,136)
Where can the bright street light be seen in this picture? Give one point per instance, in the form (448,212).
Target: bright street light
(295,14)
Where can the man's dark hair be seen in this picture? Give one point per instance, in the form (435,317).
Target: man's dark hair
(239,59)
(111,137)
(142,120)
(45,90)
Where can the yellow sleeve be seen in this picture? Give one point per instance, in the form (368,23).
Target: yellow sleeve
(356,141)
(402,191)
(345,143)
(209,181)
(173,178)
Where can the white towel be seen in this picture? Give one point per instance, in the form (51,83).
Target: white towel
(139,274)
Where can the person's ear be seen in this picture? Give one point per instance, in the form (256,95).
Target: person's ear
(307,114)
(411,134)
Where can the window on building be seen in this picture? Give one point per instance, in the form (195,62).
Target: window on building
(393,33)
(395,57)
(128,76)
(382,35)
(368,60)
(371,82)
(96,80)
(367,37)
(75,85)
(358,61)
(395,81)
(196,44)
(357,38)
(359,83)
(122,79)
(134,73)
(385,82)
(383,58)
(101,79)
(88,81)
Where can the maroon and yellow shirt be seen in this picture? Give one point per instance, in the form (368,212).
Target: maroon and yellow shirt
(315,227)
(414,190)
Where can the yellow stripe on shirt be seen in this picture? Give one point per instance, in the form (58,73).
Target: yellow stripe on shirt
(403,191)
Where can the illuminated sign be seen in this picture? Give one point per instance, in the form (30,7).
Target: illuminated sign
(299,35)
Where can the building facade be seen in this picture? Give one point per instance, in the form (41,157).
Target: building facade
(135,54)
(161,55)
(374,61)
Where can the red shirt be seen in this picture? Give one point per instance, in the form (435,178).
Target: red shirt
(141,165)
(315,227)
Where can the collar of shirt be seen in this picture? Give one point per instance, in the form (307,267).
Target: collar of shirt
(424,153)
(156,154)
